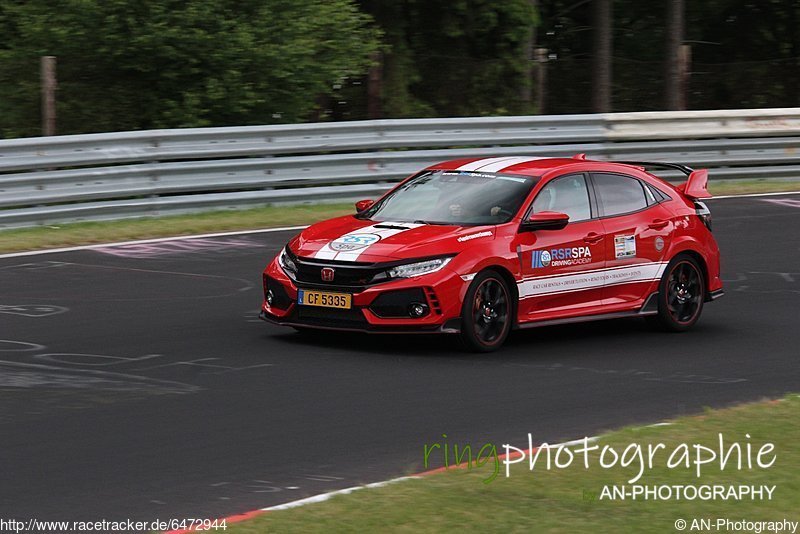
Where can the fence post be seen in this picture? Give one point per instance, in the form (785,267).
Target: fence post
(48,73)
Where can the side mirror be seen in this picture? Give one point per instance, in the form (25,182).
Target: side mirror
(362,205)
(546,220)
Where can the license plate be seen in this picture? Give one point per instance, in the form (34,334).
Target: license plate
(324,299)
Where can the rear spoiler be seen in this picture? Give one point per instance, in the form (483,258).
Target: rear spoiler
(695,187)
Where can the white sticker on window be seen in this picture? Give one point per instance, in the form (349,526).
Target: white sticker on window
(624,246)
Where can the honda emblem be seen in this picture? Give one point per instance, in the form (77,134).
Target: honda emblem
(327,274)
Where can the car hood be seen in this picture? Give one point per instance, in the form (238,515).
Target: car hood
(357,240)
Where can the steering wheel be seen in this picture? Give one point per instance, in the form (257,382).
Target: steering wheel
(497,211)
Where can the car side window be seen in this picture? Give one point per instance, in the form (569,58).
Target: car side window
(619,194)
(565,194)
(651,197)
(658,193)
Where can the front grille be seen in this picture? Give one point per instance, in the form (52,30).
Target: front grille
(352,276)
(348,276)
(343,276)
(333,317)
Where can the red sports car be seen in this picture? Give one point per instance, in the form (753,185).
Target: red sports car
(476,247)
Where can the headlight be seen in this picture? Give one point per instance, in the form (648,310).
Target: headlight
(416,269)
(287,264)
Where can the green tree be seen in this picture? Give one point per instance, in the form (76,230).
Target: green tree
(125,65)
(454,57)
(745,54)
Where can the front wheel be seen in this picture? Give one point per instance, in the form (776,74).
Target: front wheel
(681,294)
(486,313)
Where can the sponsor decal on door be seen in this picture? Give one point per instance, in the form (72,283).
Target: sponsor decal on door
(624,246)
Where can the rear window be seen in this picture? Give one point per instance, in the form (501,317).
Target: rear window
(619,194)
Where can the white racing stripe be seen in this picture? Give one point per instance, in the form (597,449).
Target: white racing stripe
(496,167)
(475,165)
(547,285)
(496,164)
(364,238)
(325,253)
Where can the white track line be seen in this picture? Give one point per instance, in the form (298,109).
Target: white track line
(259,231)
(145,241)
(749,195)
(322,497)
(325,496)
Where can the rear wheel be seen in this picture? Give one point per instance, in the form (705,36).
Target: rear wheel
(681,294)
(486,313)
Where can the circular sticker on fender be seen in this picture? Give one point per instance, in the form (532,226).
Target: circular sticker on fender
(350,242)
(659,243)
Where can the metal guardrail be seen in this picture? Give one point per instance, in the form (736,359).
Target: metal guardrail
(128,174)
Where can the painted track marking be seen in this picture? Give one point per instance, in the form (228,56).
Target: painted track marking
(264,231)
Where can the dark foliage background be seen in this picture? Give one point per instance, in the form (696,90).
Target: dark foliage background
(125,65)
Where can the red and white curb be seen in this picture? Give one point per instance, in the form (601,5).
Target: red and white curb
(322,497)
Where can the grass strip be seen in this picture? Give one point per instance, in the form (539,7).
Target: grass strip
(570,500)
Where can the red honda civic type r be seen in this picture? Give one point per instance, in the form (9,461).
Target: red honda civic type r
(476,247)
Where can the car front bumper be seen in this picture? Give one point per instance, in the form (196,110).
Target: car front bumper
(442,292)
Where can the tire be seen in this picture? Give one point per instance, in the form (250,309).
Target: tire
(681,294)
(487,313)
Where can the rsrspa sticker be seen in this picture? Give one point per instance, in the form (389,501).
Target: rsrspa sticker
(561,257)
(354,242)
(624,246)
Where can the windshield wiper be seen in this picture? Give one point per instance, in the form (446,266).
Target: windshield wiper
(434,223)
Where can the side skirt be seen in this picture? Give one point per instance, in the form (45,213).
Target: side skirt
(650,307)
(714,295)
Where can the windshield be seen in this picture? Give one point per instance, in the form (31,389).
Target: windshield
(459,198)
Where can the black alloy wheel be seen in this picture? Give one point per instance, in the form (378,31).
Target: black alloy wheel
(682,292)
(486,314)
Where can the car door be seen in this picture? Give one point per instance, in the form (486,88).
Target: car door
(637,231)
(557,265)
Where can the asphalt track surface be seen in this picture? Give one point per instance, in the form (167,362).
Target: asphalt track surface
(137,382)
